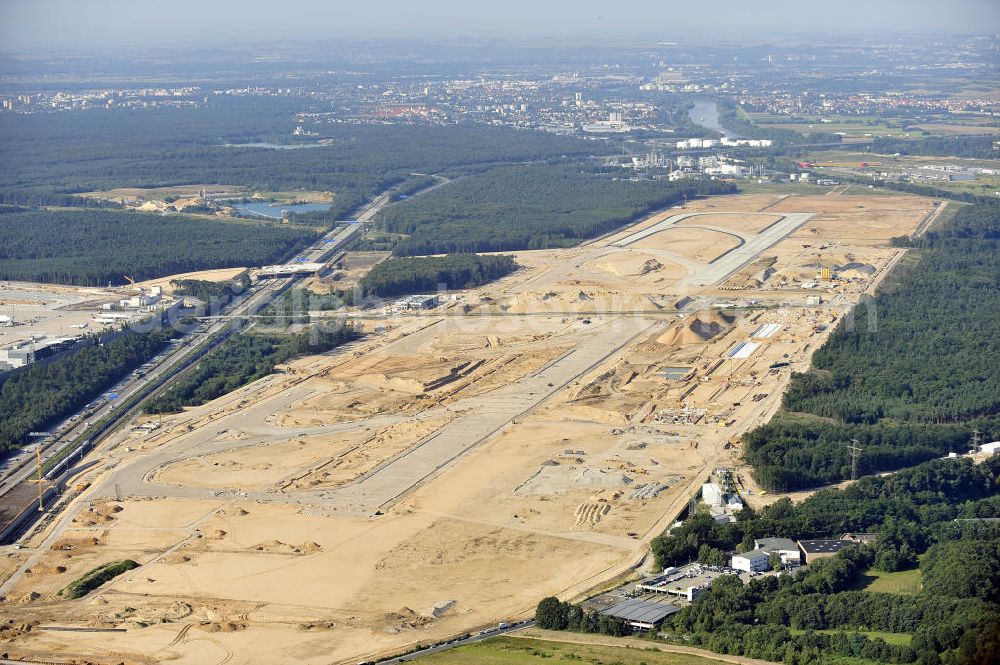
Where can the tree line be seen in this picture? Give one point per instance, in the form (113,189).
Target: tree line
(93,247)
(914,388)
(529,207)
(39,396)
(928,516)
(244,358)
(402,276)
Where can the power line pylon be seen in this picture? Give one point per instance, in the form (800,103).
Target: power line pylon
(855,451)
(41,479)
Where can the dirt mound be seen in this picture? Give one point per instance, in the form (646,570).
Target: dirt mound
(309,547)
(221,627)
(405,618)
(275,547)
(697,329)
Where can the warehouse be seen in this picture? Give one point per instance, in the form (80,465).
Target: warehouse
(641,614)
(814,550)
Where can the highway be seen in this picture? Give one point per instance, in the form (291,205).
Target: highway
(98,418)
(457,642)
(102,415)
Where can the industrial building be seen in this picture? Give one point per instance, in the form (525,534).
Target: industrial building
(992,447)
(754,561)
(786,548)
(30,351)
(415,302)
(641,615)
(814,550)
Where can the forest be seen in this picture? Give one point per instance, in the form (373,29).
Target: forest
(937,146)
(244,358)
(34,398)
(214,295)
(43,156)
(402,276)
(91,247)
(529,207)
(928,519)
(910,390)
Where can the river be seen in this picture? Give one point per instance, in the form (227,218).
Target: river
(705,113)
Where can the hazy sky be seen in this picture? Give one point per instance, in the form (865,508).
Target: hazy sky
(101,23)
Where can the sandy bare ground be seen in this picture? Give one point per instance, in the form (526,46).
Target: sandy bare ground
(445,473)
(217,275)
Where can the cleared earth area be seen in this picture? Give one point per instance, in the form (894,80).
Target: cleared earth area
(446,471)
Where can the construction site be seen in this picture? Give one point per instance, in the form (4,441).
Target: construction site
(458,463)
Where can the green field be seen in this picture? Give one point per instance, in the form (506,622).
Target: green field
(515,651)
(905,581)
(850,125)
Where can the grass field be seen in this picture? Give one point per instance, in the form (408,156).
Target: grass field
(515,651)
(904,582)
(899,639)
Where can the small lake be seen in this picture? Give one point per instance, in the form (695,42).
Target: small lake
(272,210)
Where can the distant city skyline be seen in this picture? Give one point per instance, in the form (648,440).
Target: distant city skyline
(103,24)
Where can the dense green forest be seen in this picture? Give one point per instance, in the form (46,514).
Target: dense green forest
(34,398)
(912,389)
(94,247)
(528,207)
(45,157)
(938,146)
(215,295)
(933,511)
(401,276)
(242,359)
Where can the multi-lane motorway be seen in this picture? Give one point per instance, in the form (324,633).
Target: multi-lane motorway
(16,487)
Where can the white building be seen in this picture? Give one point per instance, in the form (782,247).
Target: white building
(753,561)
(712,494)
(786,548)
(992,448)
(415,302)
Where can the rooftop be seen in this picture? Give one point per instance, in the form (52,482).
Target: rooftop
(643,611)
(753,555)
(824,546)
(775,544)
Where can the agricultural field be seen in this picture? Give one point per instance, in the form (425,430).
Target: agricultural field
(522,651)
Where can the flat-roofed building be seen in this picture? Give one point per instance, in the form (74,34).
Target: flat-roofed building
(754,561)
(813,550)
(641,614)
